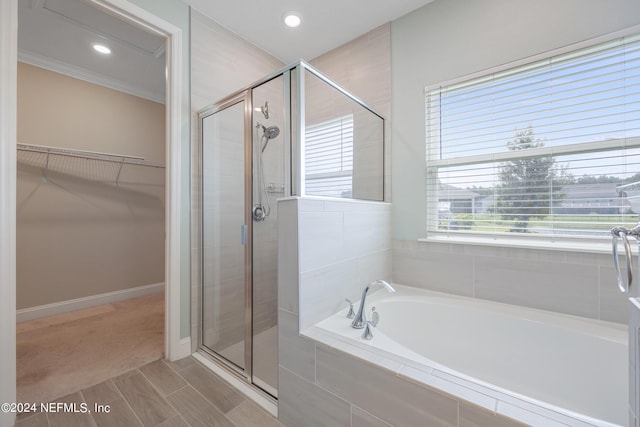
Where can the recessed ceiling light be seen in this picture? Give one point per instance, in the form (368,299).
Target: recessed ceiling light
(292,19)
(100,48)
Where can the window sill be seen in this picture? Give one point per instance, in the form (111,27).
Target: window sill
(584,245)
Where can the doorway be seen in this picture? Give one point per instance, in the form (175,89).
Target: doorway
(175,347)
(90,196)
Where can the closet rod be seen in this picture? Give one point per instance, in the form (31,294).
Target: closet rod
(90,155)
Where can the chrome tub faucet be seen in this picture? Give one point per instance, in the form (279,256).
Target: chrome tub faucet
(360,319)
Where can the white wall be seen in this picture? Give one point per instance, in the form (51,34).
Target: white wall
(452,38)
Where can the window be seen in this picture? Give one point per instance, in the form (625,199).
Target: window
(329,158)
(550,148)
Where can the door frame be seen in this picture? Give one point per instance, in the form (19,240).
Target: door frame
(243,98)
(8,130)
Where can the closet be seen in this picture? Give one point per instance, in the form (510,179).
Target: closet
(90,230)
(90,192)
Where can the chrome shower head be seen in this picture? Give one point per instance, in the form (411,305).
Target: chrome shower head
(271,132)
(268,134)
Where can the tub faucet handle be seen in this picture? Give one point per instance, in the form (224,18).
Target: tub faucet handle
(367,334)
(351,314)
(375,317)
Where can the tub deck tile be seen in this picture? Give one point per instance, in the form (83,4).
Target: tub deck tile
(455,389)
(473,416)
(361,383)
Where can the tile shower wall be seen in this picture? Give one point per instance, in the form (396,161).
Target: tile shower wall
(329,250)
(581,284)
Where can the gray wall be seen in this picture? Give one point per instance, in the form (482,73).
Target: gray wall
(453,38)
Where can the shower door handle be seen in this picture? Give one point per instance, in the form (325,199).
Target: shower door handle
(243,234)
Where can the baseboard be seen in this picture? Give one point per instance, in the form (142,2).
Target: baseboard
(183,349)
(31,313)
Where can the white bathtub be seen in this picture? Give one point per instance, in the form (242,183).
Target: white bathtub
(565,369)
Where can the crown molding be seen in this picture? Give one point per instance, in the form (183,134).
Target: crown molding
(80,73)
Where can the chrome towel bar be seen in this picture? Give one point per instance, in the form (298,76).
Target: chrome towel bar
(622,233)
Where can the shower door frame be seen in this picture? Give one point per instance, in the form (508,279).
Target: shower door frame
(221,365)
(239,97)
(293,128)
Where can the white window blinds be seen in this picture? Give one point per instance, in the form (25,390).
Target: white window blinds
(547,148)
(329,158)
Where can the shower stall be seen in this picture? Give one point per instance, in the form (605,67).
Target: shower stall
(293,133)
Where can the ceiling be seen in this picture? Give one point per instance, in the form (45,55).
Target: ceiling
(57,35)
(326,24)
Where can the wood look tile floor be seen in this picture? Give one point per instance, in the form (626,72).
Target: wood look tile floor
(161,393)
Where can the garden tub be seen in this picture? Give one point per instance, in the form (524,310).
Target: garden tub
(528,364)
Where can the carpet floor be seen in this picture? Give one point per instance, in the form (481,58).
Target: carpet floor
(63,354)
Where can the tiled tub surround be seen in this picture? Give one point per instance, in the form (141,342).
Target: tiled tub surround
(329,249)
(325,381)
(571,282)
(538,367)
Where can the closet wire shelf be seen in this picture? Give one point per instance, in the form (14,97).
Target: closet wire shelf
(90,165)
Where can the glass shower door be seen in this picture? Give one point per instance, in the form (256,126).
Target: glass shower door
(268,186)
(224,234)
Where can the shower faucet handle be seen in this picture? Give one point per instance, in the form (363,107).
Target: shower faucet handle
(351,314)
